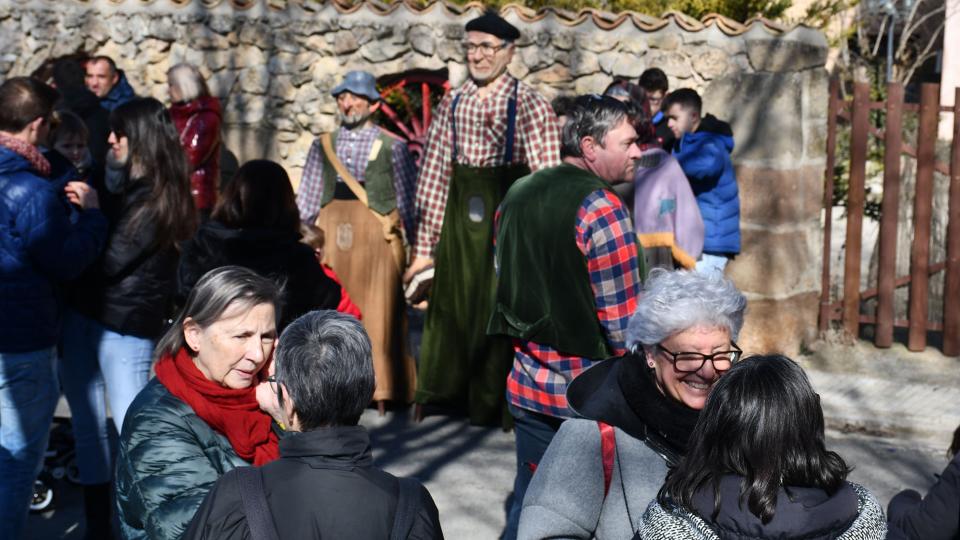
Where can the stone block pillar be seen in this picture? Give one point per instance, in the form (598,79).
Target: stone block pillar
(778,115)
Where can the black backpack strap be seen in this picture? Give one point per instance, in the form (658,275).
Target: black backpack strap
(255,506)
(407,504)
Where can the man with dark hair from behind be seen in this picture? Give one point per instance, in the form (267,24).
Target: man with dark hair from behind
(108,83)
(703,149)
(68,75)
(324,485)
(40,249)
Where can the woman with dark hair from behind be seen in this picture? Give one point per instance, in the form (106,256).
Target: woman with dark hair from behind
(935,516)
(256,225)
(757,467)
(120,305)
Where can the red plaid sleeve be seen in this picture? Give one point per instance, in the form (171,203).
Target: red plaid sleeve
(434,181)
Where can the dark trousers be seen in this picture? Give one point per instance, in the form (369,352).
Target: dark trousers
(533,432)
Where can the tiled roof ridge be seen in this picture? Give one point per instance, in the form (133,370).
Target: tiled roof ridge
(604,20)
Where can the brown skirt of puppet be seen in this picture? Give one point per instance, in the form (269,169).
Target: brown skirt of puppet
(361,256)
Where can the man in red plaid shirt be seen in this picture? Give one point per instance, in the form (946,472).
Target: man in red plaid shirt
(485,134)
(569,274)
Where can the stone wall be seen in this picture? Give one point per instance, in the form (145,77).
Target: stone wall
(274,63)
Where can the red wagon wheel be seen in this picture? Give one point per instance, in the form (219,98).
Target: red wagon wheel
(408,103)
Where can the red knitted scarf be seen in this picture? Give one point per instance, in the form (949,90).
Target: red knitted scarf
(29,152)
(234,413)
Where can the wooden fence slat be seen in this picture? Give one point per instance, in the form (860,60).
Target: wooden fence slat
(828,201)
(887,260)
(951,289)
(922,215)
(855,202)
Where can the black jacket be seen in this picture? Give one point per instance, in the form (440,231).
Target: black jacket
(130,288)
(936,517)
(323,486)
(86,105)
(272,253)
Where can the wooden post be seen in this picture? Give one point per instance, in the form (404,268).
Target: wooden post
(855,199)
(922,214)
(887,270)
(951,289)
(832,109)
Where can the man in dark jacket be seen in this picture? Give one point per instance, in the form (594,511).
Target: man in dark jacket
(703,147)
(108,83)
(39,248)
(324,485)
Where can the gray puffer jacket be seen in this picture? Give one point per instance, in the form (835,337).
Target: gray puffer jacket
(168,460)
(565,498)
(801,518)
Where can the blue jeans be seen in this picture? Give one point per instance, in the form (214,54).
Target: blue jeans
(97,364)
(712,264)
(533,432)
(28,396)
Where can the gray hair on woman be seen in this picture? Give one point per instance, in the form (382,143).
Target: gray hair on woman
(324,361)
(675,301)
(592,116)
(213,294)
(188,81)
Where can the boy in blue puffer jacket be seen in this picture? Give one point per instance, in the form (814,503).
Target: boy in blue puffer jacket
(703,149)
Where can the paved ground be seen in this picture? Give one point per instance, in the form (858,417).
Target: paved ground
(890,416)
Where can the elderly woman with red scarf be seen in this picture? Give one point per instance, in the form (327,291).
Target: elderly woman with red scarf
(199,417)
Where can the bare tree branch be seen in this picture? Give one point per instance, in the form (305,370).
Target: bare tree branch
(915,25)
(880,33)
(925,55)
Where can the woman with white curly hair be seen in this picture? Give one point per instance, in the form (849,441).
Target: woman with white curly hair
(602,470)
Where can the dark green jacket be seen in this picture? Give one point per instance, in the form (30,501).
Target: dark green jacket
(543,290)
(168,460)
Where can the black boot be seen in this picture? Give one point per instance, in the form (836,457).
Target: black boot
(96,506)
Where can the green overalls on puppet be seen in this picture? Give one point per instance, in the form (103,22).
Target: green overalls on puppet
(459,363)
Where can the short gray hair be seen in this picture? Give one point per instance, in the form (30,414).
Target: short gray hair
(593,116)
(324,361)
(672,302)
(213,294)
(188,80)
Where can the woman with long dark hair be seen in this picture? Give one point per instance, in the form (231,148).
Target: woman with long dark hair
(757,466)
(256,225)
(120,305)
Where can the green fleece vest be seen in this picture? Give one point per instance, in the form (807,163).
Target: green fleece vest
(377,180)
(543,290)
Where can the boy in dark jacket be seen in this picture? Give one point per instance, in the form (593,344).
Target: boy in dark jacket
(39,248)
(324,485)
(703,147)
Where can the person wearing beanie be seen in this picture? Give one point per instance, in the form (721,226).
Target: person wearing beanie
(487,133)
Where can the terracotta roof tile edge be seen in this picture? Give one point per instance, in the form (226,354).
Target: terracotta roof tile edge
(604,20)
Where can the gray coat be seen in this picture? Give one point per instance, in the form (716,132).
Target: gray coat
(565,498)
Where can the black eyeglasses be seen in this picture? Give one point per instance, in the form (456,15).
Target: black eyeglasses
(691,362)
(485,49)
(272,379)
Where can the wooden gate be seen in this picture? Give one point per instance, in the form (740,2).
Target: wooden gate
(846,309)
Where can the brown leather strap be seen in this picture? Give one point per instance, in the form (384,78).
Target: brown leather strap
(391,229)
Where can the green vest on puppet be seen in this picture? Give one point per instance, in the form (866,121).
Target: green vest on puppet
(377,180)
(543,291)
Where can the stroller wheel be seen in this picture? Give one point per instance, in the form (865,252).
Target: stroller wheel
(42,497)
